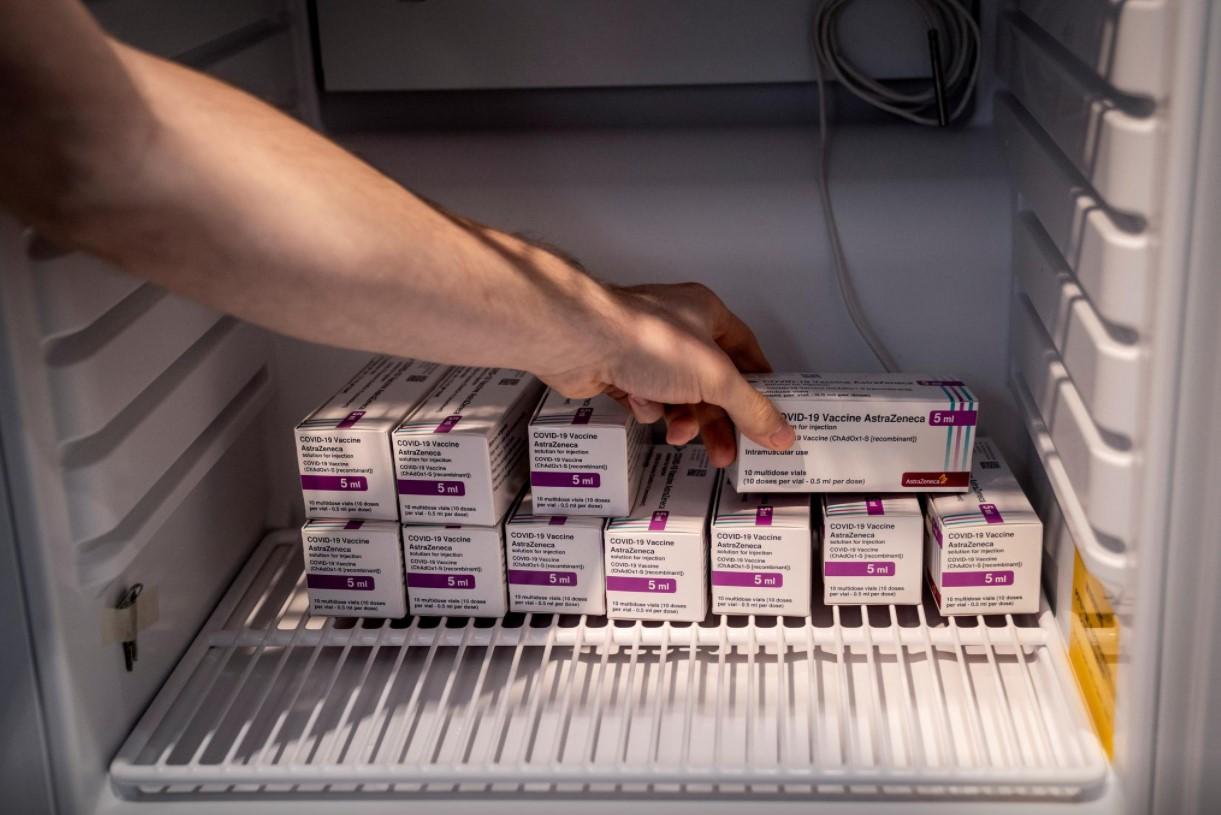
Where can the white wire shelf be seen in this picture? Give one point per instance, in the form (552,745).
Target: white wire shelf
(879,701)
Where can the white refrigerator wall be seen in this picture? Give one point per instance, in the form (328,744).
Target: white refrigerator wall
(132,442)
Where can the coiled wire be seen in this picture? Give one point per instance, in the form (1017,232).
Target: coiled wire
(961,43)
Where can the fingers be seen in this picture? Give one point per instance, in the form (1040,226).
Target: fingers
(646,411)
(684,346)
(717,434)
(753,414)
(681,424)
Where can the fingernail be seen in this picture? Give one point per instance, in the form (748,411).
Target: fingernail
(783,438)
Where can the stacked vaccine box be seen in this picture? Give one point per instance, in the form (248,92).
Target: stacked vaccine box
(585,456)
(353,558)
(555,561)
(343,448)
(984,548)
(863,433)
(762,549)
(471,492)
(872,546)
(354,568)
(461,461)
(657,556)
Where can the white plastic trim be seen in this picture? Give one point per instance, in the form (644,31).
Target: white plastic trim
(1108,566)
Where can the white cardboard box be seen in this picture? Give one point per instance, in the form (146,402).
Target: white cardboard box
(554,562)
(762,553)
(354,568)
(984,548)
(657,557)
(460,457)
(863,433)
(585,456)
(872,549)
(455,570)
(343,448)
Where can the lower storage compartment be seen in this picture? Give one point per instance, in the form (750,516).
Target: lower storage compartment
(880,701)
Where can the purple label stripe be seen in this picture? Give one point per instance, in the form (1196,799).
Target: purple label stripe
(335,483)
(859,568)
(763,515)
(874,506)
(935,382)
(353,524)
(530,577)
(446,489)
(657,523)
(585,480)
(991,514)
(557,520)
(349,420)
(652,585)
(937,532)
(952,418)
(758,580)
(962,449)
(951,580)
(583,415)
(339,582)
(428,580)
(448,424)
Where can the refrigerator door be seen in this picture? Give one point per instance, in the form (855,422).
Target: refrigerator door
(1185,670)
(25,767)
(1114,343)
(130,451)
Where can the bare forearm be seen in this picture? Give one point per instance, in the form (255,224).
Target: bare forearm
(222,199)
(194,185)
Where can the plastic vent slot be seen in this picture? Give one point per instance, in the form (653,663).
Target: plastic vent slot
(1111,140)
(1113,261)
(1122,40)
(1106,364)
(108,474)
(1101,468)
(896,701)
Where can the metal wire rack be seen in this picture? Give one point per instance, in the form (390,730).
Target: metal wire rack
(881,700)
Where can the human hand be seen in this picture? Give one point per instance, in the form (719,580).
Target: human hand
(678,351)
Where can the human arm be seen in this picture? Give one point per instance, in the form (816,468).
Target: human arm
(202,189)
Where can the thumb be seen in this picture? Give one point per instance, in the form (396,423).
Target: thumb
(752,412)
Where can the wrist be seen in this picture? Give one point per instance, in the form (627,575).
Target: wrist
(587,321)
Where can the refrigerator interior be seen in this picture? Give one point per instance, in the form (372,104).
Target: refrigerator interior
(1037,253)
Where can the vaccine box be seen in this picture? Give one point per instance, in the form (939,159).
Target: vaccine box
(585,455)
(460,457)
(872,549)
(555,562)
(863,433)
(657,557)
(762,553)
(343,447)
(455,570)
(354,568)
(984,548)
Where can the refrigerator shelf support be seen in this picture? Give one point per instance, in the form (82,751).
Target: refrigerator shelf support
(893,701)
